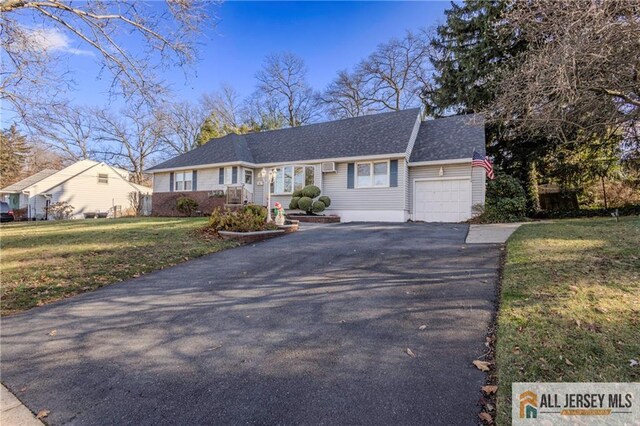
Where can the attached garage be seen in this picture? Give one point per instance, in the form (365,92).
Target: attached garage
(443,184)
(442,200)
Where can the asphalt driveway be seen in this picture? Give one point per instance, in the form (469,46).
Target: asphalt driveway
(310,328)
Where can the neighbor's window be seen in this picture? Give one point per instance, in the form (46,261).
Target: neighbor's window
(248,177)
(292,178)
(183,181)
(372,174)
(103,178)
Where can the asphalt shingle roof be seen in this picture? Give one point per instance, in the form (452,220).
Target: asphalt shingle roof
(27,182)
(449,138)
(386,133)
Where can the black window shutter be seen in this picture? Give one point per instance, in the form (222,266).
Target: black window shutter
(221,175)
(350,174)
(171,182)
(234,174)
(194,184)
(393,173)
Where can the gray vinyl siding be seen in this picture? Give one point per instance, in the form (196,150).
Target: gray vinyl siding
(343,198)
(450,170)
(478,186)
(208,179)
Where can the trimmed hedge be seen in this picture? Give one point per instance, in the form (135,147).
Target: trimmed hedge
(565,214)
(293,204)
(311,191)
(325,200)
(305,203)
(318,206)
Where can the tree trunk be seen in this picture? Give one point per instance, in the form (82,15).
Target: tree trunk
(604,193)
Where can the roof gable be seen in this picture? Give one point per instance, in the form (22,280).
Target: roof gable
(449,138)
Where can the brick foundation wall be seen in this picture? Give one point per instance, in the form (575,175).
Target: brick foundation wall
(164,203)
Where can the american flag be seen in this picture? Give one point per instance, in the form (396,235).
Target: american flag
(482,161)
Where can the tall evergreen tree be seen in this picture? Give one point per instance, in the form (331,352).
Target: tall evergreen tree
(13,155)
(472,50)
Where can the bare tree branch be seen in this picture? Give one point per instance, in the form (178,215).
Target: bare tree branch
(31,76)
(283,77)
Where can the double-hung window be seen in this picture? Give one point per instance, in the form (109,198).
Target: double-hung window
(183,181)
(292,178)
(372,174)
(248,176)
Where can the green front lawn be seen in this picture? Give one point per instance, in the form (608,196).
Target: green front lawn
(46,261)
(570,305)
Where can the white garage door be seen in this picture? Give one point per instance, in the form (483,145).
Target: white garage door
(446,200)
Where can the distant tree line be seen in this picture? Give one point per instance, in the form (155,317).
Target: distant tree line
(559,83)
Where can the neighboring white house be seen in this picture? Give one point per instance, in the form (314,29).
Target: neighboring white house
(89,186)
(388,167)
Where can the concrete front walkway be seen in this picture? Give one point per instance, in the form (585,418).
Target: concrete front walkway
(493,233)
(13,412)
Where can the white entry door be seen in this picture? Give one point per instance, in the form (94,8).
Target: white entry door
(442,200)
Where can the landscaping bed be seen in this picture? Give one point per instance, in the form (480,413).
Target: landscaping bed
(569,305)
(314,218)
(247,224)
(46,261)
(250,237)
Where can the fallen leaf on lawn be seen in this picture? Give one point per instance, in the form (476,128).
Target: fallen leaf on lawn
(633,363)
(573,288)
(489,407)
(410,353)
(53,332)
(489,389)
(422,327)
(516,350)
(578,323)
(42,414)
(601,310)
(566,361)
(482,365)
(486,417)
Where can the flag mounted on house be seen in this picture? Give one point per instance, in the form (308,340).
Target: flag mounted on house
(480,160)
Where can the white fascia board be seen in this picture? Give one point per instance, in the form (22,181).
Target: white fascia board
(280,163)
(336,159)
(439,162)
(202,166)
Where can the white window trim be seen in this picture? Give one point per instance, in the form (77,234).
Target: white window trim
(371,167)
(183,180)
(293,177)
(244,175)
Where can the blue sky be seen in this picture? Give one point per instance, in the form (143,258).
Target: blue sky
(329,36)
